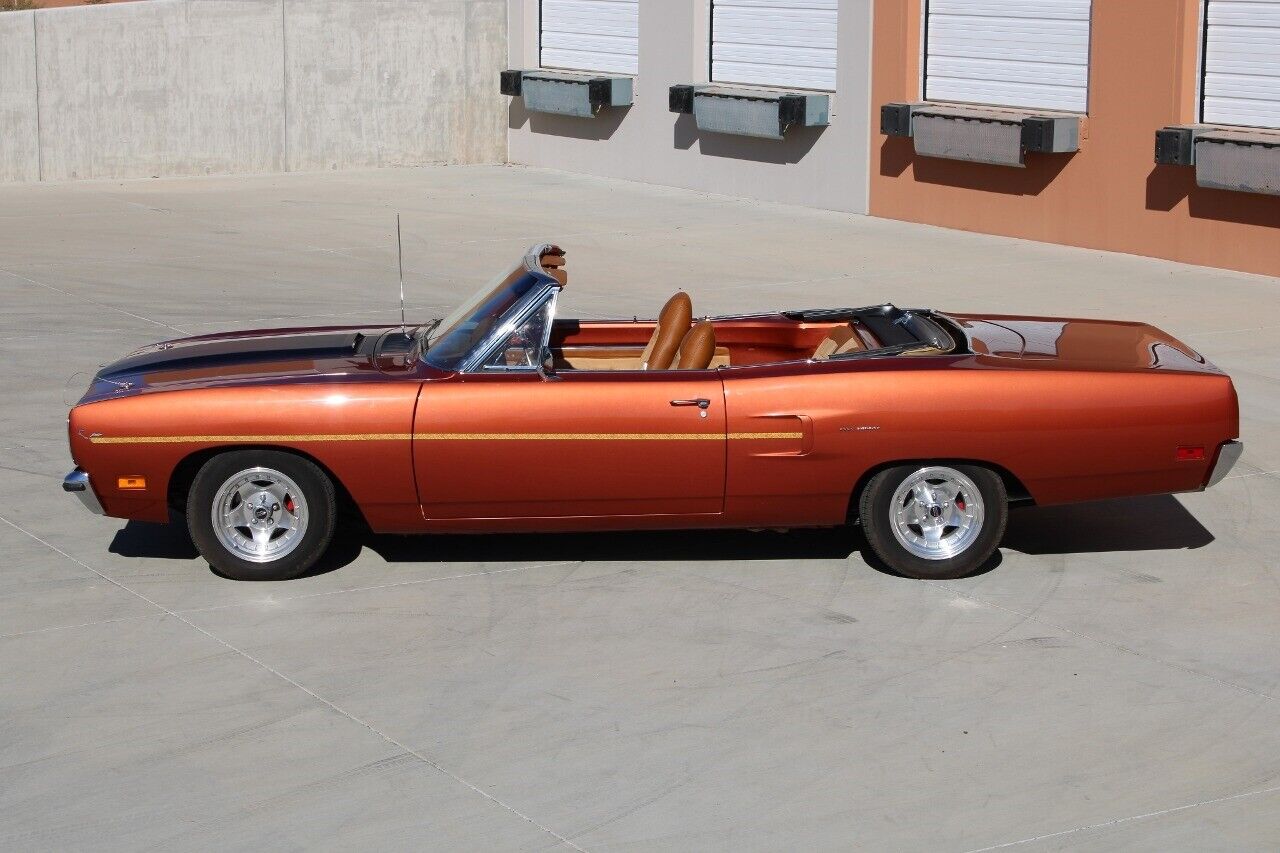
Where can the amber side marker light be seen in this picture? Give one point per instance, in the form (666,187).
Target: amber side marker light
(1189,454)
(132,482)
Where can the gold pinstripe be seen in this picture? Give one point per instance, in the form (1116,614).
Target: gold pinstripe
(264,439)
(442,436)
(598,436)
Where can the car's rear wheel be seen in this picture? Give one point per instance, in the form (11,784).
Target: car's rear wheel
(934,521)
(261,514)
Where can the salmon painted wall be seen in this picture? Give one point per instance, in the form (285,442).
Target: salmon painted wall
(1110,195)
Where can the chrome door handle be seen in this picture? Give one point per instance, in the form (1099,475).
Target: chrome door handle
(701,403)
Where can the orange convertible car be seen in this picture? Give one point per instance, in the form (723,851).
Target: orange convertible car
(919,425)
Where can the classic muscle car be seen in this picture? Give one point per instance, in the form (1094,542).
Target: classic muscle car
(921,426)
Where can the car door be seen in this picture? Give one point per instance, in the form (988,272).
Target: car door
(646,446)
(804,432)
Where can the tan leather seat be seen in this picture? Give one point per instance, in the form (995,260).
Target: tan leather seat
(673,322)
(698,347)
(841,339)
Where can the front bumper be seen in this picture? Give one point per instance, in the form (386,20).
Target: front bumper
(1228,456)
(77,482)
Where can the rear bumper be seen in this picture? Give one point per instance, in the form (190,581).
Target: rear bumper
(77,482)
(1228,456)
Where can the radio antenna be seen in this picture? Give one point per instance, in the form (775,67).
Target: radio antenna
(404,330)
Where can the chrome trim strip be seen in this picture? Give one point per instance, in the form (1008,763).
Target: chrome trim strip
(1228,456)
(77,482)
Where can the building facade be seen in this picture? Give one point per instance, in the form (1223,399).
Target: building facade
(1143,126)
(666,43)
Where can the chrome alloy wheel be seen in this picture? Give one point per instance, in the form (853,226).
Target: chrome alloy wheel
(937,513)
(259,515)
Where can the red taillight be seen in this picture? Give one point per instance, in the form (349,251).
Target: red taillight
(1189,454)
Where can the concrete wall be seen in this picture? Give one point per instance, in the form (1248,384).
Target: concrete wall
(160,88)
(19,146)
(181,87)
(816,167)
(394,82)
(1110,195)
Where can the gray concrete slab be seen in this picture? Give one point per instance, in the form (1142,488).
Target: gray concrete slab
(1112,683)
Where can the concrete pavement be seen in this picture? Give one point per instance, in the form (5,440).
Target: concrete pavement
(1113,683)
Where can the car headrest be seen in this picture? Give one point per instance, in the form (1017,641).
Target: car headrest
(698,347)
(673,322)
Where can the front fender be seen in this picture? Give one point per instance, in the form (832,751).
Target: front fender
(360,432)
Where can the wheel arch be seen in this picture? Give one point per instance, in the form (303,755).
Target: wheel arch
(184,474)
(1018,493)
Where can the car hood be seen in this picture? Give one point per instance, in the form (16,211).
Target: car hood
(1071,342)
(251,356)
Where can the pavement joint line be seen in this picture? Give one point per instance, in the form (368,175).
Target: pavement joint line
(879,276)
(236,604)
(1250,474)
(1129,819)
(90,301)
(60,332)
(374,262)
(617,232)
(325,315)
(52,628)
(364,311)
(1232,331)
(316,696)
(1120,647)
(354,589)
(225,322)
(147,259)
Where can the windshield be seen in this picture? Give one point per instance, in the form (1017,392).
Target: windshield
(459,333)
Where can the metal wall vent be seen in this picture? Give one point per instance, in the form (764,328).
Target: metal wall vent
(567,93)
(762,113)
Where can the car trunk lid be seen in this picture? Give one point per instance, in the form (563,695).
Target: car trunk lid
(1096,344)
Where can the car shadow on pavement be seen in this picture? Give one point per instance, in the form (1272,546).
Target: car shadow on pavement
(1157,523)
(159,541)
(1133,524)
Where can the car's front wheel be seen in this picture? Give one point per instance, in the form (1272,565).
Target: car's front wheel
(261,514)
(934,521)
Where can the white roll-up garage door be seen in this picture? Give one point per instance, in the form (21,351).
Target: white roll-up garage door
(591,35)
(1242,63)
(1012,53)
(786,43)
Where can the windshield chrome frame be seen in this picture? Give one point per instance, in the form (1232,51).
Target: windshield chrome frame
(532,263)
(533,302)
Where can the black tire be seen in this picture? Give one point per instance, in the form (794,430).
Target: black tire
(876,510)
(321,511)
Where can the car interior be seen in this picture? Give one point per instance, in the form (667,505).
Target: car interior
(678,341)
(675,341)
